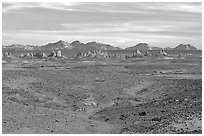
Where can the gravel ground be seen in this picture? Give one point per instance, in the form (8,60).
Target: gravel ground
(102,97)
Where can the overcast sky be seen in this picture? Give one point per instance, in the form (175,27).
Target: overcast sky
(119,24)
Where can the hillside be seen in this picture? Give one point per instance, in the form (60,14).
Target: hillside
(57,45)
(142,46)
(185,47)
(75,45)
(99,46)
(20,47)
(79,46)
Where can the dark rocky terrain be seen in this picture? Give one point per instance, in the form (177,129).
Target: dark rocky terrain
(113,92)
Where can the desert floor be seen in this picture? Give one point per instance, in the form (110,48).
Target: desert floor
(102,96)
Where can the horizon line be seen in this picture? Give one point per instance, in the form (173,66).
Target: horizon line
(98,42)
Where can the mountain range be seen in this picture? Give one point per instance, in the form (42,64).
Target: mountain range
(77,45)
(92,46)
(20,47)
(143,46)
(56,46)
(185,47)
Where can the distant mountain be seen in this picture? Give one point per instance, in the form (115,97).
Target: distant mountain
(139,46)
(145,46)
(20,47)
(99,46)
(168,48)
(75,45)
(92,46)
(79,46)
(118,48)
(56,46)
(142,46)
(157,48)
(30,47)
(185,47)
(14,46)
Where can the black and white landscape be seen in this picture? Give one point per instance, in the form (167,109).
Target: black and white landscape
(101,68)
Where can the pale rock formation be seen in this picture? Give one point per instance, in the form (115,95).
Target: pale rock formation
(59,54)
(162,52)
(147,54)
(44,55)
(138,52)
(29,54)
(38,55)
(22,55)
(53,54)
(4,62)
(7,54)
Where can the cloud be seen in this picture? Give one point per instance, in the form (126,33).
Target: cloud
(157,28)
(181,7)
(118,22)
(114,27)
(108,7)
(9,7)
(6,7)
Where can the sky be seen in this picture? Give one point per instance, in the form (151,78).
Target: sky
(120,24)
